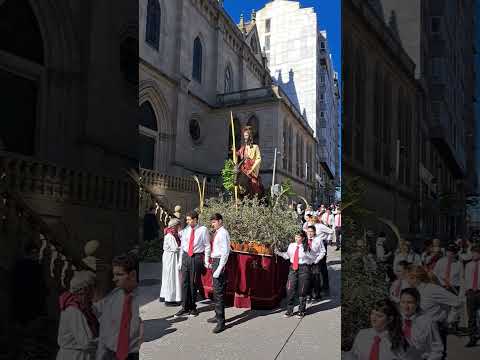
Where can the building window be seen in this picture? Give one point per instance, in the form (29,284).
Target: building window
(253,45)
(253,122)
(290,149)
(435,25)
(228,80)
(322,45)
(152,32)
(386,132)
(267,43)
(322,97)
(129,59)
(322,114)
(148,136)
(285,145)
(194,129)
(322,78)
(267,25)
(377,121)
(197,60)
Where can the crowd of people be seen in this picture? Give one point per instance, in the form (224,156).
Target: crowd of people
(103,329)
(189,251)
(425,301)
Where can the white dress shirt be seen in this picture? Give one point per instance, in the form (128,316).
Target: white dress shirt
(411,257)
(382,256)
(324,232)
(221,247)
(318,249)
(362,346)
(201,242)
(303,257)
(109,314)
(435,301)
(396,289)
(440,270)
(469,273)
(425,340)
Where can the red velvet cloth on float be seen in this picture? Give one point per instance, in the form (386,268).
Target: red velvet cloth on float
(254,281)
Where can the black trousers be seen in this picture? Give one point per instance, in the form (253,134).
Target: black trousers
(338,236)
(298,284)
(324,271)
(191,269)
(315,281)
(219,286)
(473,304)
(111,355)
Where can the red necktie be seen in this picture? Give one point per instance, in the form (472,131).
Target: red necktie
(475,276)
(190,244)
(124,334)
(447,271)
(295,259)
(375,349)
(407,328)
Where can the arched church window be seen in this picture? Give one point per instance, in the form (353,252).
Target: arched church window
(253,122)
(20,36)
(228,79)
(197,60)
(253,45)
(152,32)
(148,133)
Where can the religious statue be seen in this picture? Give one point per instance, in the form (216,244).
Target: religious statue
(247,171)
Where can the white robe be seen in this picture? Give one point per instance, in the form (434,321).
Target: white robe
(171,289)
(75,338)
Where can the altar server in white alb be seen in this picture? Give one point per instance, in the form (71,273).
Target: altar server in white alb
(194,255)
(419,330)
(171,291)
(220,252)
(78,325)
(298,283)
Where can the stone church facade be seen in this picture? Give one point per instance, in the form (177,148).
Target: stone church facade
(196,66)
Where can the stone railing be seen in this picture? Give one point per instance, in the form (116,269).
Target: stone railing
(17,218)
(241,97)
(154,179)
(29,176)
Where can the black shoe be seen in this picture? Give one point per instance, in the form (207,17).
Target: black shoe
(472,342)
(219,328)
(212,320)
(182,312)
(337,249)
(301,314)
(288,314)
(193,313)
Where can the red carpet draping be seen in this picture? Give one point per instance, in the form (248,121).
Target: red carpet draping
(253,281)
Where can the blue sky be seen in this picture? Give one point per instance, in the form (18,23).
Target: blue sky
(328,15)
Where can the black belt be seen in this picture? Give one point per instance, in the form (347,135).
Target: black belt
(300,265)
(194,254)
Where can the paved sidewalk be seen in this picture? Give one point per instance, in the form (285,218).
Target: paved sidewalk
(255,334)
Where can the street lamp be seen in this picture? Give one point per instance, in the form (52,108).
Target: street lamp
(274,170)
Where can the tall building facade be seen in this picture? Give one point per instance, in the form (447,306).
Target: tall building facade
(196,66)
(300,62)
(438,36)
(380,118)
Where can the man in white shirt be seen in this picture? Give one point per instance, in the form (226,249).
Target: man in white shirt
(324,232)
(194,255)
(319,252)
(472,292)
(121,328)
(448,270)
(220,252)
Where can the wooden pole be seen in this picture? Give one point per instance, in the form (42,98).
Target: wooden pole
(234,155)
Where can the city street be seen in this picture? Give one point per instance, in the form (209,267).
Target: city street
(255,334)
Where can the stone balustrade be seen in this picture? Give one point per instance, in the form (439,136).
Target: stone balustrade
(29,176)
(154,179)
